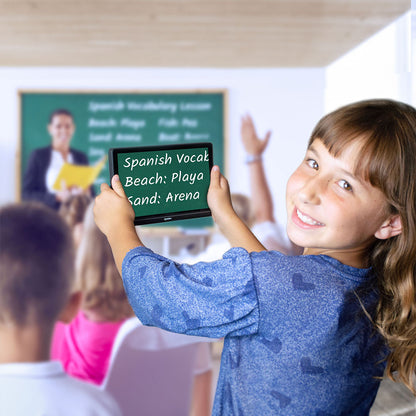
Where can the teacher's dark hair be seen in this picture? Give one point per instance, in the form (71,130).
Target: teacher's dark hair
(60,112)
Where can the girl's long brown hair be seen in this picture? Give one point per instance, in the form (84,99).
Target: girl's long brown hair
(387,130)
(97,275)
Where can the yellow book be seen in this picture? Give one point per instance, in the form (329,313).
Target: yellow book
(78,175)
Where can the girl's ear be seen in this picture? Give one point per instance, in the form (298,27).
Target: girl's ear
(391,227)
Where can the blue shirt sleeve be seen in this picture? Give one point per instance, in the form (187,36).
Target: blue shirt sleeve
(205,299)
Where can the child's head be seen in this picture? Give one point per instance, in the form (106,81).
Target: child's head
(97,276)
(37,265)
(386,131)
(72,211)
(373,144)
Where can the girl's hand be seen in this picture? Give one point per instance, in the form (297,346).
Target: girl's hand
(114,216)
(219,199)
(112,210)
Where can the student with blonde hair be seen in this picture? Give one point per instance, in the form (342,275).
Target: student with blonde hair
(72,211)
(84,345)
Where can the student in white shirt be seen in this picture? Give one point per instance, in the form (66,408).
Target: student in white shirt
(37,268)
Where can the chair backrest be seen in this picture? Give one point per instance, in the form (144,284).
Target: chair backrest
(151,371)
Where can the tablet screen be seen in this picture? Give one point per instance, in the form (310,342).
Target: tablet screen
(164,183)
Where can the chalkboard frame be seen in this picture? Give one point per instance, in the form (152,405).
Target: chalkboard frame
(116,92)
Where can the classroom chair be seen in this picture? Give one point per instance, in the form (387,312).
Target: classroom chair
(151,370)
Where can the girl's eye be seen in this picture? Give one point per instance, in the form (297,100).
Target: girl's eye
(312,163)
(345,185)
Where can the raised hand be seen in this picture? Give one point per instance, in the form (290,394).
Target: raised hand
(253,145)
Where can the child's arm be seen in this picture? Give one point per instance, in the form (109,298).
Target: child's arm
(114,216)
(234,229)
(261,198)
(260,195)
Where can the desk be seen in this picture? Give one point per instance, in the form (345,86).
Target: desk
(172,241)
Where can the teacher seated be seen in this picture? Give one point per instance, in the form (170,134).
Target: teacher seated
(45,163)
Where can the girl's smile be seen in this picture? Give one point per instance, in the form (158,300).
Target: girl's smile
(332,211)
(303,220)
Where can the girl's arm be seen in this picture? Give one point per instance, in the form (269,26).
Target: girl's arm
(114,216)
(233,228)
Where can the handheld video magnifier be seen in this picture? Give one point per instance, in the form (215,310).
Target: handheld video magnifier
(165,182)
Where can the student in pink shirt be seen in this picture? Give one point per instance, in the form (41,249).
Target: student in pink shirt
(84,346)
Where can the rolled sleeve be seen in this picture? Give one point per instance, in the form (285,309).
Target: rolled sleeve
(206,299)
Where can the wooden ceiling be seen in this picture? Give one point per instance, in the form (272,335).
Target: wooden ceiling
(188,33)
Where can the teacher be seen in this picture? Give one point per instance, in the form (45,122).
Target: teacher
(45,163)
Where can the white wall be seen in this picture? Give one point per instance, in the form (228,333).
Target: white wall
(381,67)
(287,101)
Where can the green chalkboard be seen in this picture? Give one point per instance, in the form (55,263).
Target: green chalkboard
(107,120)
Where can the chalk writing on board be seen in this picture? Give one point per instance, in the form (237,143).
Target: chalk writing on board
(161,105)
(168,121)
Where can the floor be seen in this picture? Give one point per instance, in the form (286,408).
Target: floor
(393,399)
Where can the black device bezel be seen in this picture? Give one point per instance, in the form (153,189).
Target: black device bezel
(169,216)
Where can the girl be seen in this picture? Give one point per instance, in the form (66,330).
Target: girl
(84,345)
(309,334)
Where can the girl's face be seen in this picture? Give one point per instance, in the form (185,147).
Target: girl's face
(331,211)
(61,129)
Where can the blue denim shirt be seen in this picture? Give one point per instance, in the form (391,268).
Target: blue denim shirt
(296,339)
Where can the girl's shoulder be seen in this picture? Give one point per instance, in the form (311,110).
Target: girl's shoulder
(309,264)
